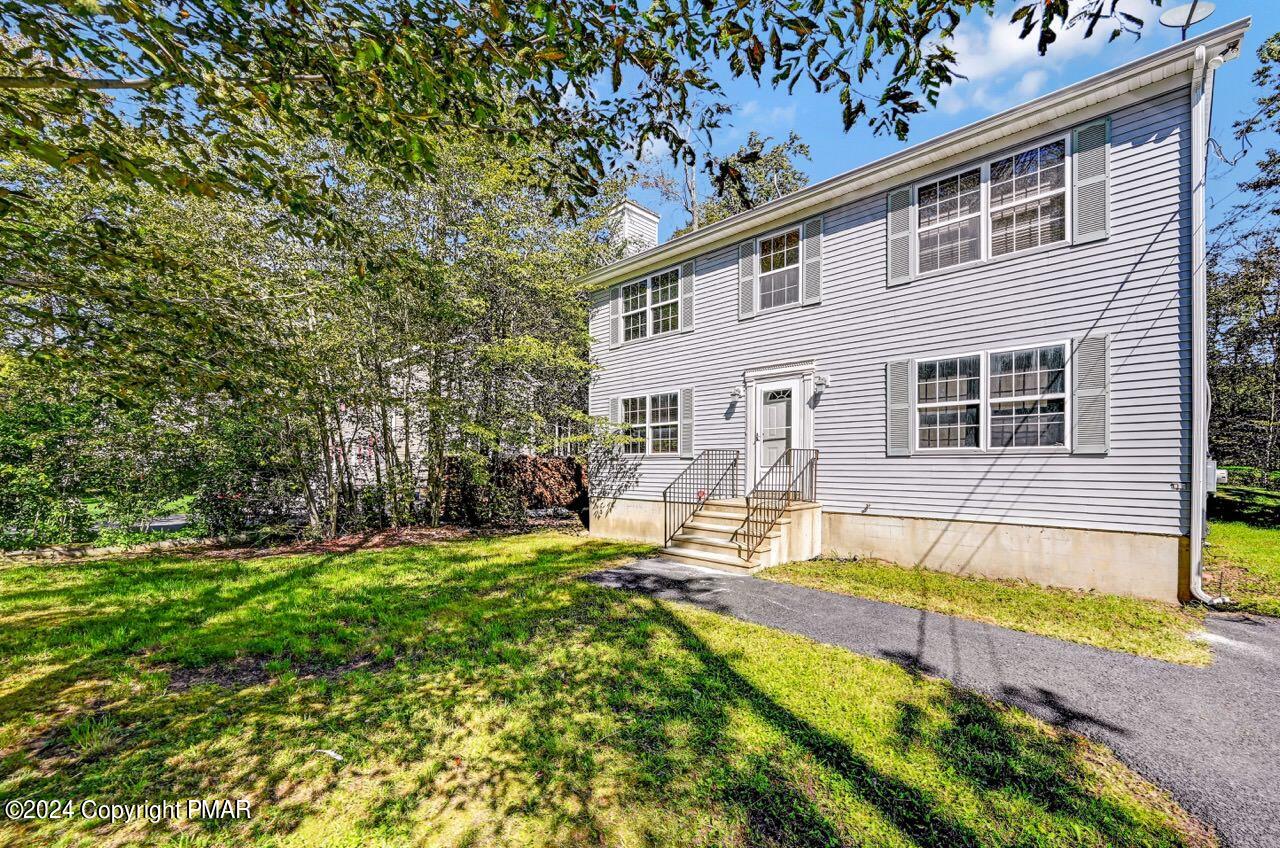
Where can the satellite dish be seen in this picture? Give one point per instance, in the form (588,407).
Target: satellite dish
(1187,15)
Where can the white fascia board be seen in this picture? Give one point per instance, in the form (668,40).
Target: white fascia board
(1104,92)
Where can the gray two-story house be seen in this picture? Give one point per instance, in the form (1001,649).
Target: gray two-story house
(982,354)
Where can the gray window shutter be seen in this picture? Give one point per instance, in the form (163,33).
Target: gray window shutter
(747,278)
(686,296)
(1090,202)
(898,404)
(899,236)
(1091,395)
(615,316)
(686,423)
(615,414)
(811,291)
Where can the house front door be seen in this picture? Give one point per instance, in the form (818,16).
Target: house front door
(777,422)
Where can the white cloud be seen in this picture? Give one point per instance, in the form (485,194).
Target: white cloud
(1003,69)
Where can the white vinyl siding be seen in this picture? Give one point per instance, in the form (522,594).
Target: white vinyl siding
(1128,288)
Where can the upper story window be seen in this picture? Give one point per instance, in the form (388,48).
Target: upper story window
(1011,203)
(652,422)
(651,305)
(1029,198)
(1025,405)
(949,227)
(780,269)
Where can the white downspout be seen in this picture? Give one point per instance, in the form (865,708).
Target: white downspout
(1201,109)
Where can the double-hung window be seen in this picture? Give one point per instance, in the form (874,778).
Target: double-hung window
(990,209)
(1024,404)
(651,305)
(780,269)
(949,220)
(949,402)
(1029,397)
(1029,198)
(652,423)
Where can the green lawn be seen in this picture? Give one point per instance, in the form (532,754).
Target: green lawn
(478,694)
(1244,548)
(1146,628)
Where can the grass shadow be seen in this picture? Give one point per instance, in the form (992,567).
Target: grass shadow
(480,692)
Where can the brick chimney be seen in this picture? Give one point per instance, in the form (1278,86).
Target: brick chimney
(637,227)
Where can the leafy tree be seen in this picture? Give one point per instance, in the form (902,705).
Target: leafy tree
(1244,298)
(760,173)
(583,82)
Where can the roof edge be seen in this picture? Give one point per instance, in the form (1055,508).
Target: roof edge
(825,193)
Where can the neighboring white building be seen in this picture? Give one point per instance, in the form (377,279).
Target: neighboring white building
(994,341)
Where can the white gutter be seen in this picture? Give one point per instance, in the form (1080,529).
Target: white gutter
(1201,113)
(880,175)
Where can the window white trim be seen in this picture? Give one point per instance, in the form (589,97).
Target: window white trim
(983,165)
(758,293)
(986,401)
(980,214)
(647,309)
(990,208)
(649,424)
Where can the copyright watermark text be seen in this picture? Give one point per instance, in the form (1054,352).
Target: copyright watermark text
(32,809)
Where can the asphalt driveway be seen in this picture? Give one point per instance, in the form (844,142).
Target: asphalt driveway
(1209,735)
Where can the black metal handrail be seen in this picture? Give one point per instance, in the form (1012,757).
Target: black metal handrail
(793,477)
(712,474)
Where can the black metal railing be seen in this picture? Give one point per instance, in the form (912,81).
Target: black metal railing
(712,474)
(793,477)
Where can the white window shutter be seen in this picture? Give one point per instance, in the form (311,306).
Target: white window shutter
(811,290)
(1091,395)
(1090,201)
(686,296)
(615,414)
(686,423)
(898,408)
(615,316)
(747,278)
(899,228)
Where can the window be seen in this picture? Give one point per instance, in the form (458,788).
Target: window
(780,269)
(949,217)
(652,422)
(635,302)
(1028,397)
(1029,198)
(634,415)
(664,296)
(651,306)
(949,402)
(1025,402)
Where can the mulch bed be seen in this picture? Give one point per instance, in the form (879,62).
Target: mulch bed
(376,540)
(372,540)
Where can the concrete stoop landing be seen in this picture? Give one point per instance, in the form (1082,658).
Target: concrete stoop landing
(707,538)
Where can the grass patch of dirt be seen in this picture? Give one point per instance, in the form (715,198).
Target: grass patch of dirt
(477,692)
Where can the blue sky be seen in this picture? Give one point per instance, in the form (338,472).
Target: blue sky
(1002,72)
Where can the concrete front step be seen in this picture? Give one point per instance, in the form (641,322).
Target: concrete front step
(711,527)
(708,543)
(721,562)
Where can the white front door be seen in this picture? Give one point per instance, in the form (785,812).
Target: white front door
(776,422)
